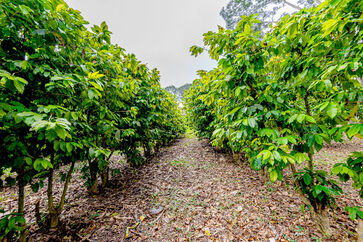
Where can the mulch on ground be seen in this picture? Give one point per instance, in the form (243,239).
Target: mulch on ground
(190,191)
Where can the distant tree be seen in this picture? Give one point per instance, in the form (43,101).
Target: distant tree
(178,91)
(268,10)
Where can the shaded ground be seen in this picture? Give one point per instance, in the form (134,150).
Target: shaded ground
(189,191)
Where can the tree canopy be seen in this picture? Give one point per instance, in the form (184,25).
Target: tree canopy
(269,11)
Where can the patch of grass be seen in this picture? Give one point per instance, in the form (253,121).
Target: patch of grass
(178,163)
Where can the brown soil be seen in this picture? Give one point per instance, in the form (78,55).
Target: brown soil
(190,191)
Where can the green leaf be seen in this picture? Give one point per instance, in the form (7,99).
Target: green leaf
(329,25)
(353,212)
(252,122)
(353,130)
(95,75)
(19,84)
(317,190)
(265,154)
(28,161)
(273,175)
(61,132)
(61,7)
(24,65)
(276,155)
(332,110)
(46,163)
(196,50)
(307,179)
(25,10)
(291,139)
(51,135)
(300,157)
(310,119)
(38,164)
(292,118)
(318,139)
(256,164)
(301,118)
(234,110)
(97,86)
(69,147)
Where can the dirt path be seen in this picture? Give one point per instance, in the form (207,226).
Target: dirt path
(191,192)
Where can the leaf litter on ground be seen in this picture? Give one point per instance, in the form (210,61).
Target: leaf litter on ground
(191,191)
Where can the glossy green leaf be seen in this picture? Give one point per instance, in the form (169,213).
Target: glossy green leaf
(332,110)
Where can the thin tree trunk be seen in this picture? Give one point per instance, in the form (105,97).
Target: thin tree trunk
(65,188)
(264,175)
(21,199)
(52,212)
(311,161)
(106,171)
(321,219)
(298,188)
(242,158)
(308,112)
(104,177)
(147,150)
(38,216)
(236,157)
(93,189)
(318,215)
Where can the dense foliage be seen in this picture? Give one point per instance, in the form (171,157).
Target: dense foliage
(279,98)
(68,95)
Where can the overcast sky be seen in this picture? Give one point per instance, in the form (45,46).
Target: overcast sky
(159,32)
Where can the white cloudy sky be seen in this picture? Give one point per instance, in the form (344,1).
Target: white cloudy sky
(159,32)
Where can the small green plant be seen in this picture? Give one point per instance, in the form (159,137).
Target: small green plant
(94,215)
(11,225)
(319,190)
(178,163)
(353,169)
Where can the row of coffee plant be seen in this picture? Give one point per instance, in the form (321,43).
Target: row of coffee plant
(68,95)
(276,99)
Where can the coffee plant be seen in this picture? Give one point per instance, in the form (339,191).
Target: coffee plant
(68,95)
(278,99)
